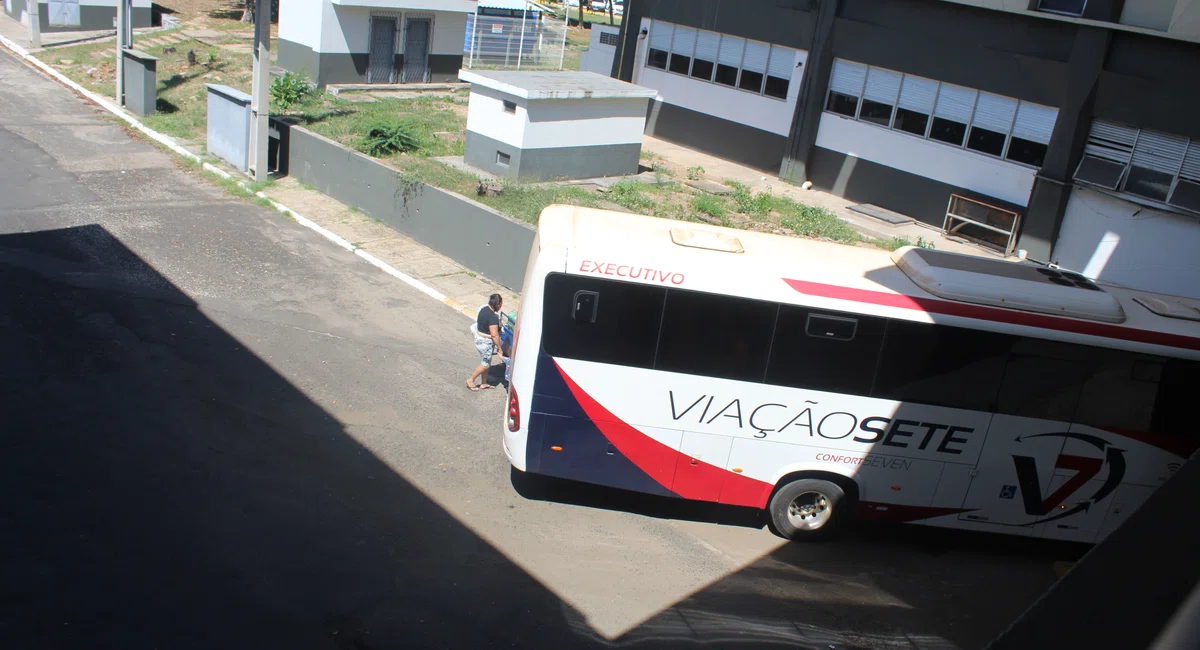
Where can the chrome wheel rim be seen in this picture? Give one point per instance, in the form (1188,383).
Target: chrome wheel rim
(809,511)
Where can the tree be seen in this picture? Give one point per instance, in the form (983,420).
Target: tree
(248,11)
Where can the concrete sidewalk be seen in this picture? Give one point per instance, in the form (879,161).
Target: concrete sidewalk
(681,158)
(18,32)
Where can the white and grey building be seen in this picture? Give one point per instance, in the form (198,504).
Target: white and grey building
(1077,115)
(373,41)
(78,15)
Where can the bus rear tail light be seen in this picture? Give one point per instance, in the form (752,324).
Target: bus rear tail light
(514,409)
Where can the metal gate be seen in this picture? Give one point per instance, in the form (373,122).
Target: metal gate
(416,50)
(381,66)
(63,13)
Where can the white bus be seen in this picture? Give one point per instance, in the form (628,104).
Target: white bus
(819,381)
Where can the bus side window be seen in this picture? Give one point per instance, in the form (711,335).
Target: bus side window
(715,335)
(606,321)
(825,351)
(941,365)
(1173,414)
(1044,379)
(1120,390)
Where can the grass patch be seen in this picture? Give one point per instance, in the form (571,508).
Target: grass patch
(347,122)
(813,221)
(713,206)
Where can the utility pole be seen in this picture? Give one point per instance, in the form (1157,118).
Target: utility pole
(260,94)
(35,23)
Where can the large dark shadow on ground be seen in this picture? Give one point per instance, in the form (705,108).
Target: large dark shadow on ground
(873,585)
(164,488)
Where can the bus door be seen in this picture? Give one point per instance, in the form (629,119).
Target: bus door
(1117,471)
(1024,474)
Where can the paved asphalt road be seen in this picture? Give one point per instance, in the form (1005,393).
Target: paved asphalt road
(221,431)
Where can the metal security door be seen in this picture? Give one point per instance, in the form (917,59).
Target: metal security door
(64,13)
(416,50)
(381,66)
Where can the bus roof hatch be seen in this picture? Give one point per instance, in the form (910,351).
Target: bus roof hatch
(1013,285)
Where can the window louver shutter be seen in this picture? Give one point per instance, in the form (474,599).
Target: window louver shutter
(731,51)
(847,77)
(755,59)
(917,94)
(685,41)
(1159,151)
(783,60)
(995,112)
(955,103)
(1035,122)
(706,46)
(1110,141)
(660,36)
(882,86)
(1191,163)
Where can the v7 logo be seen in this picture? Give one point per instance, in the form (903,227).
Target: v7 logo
(1085,469)
(1031,487)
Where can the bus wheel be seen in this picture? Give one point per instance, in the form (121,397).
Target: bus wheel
(807,509)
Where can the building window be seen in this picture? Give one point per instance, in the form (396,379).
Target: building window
(990,124)
(1157,166)
(704,61)
(729,60)
(660,45)
(510,107)
(917,96)
(845,87)
(503,158)
(779,72)
(681,50)
(753,66)
(1068,7)
(880,96)
(1031,134)
(610,38)
(952,113)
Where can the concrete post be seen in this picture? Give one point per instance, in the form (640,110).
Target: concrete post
(260,95)
(122,44)
(35,23)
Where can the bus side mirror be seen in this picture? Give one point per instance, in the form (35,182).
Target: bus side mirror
(583,309)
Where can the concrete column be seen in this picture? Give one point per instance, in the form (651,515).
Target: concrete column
(35,23)
(631,27)
(811,100)
(1051,188)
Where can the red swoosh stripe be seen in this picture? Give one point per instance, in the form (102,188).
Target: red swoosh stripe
(658,461)
(995,314)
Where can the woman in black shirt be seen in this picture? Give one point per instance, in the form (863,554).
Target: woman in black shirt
(487,340)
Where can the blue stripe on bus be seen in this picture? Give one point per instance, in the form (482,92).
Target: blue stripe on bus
(557,419)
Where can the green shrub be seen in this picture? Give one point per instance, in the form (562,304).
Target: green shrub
(628,194)
(711,205)
(813,221)
(695,173)
(389,136)
(748,203)
(291,90)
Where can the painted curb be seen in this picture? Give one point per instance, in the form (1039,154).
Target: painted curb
(166,141)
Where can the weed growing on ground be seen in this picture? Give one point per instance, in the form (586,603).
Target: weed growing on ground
(711,205)
(695,173)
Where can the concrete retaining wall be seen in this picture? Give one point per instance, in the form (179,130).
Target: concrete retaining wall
(472,234)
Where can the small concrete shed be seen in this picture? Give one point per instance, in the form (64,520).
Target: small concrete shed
(535,126)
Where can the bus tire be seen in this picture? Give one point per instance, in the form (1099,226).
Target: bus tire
(807,508)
